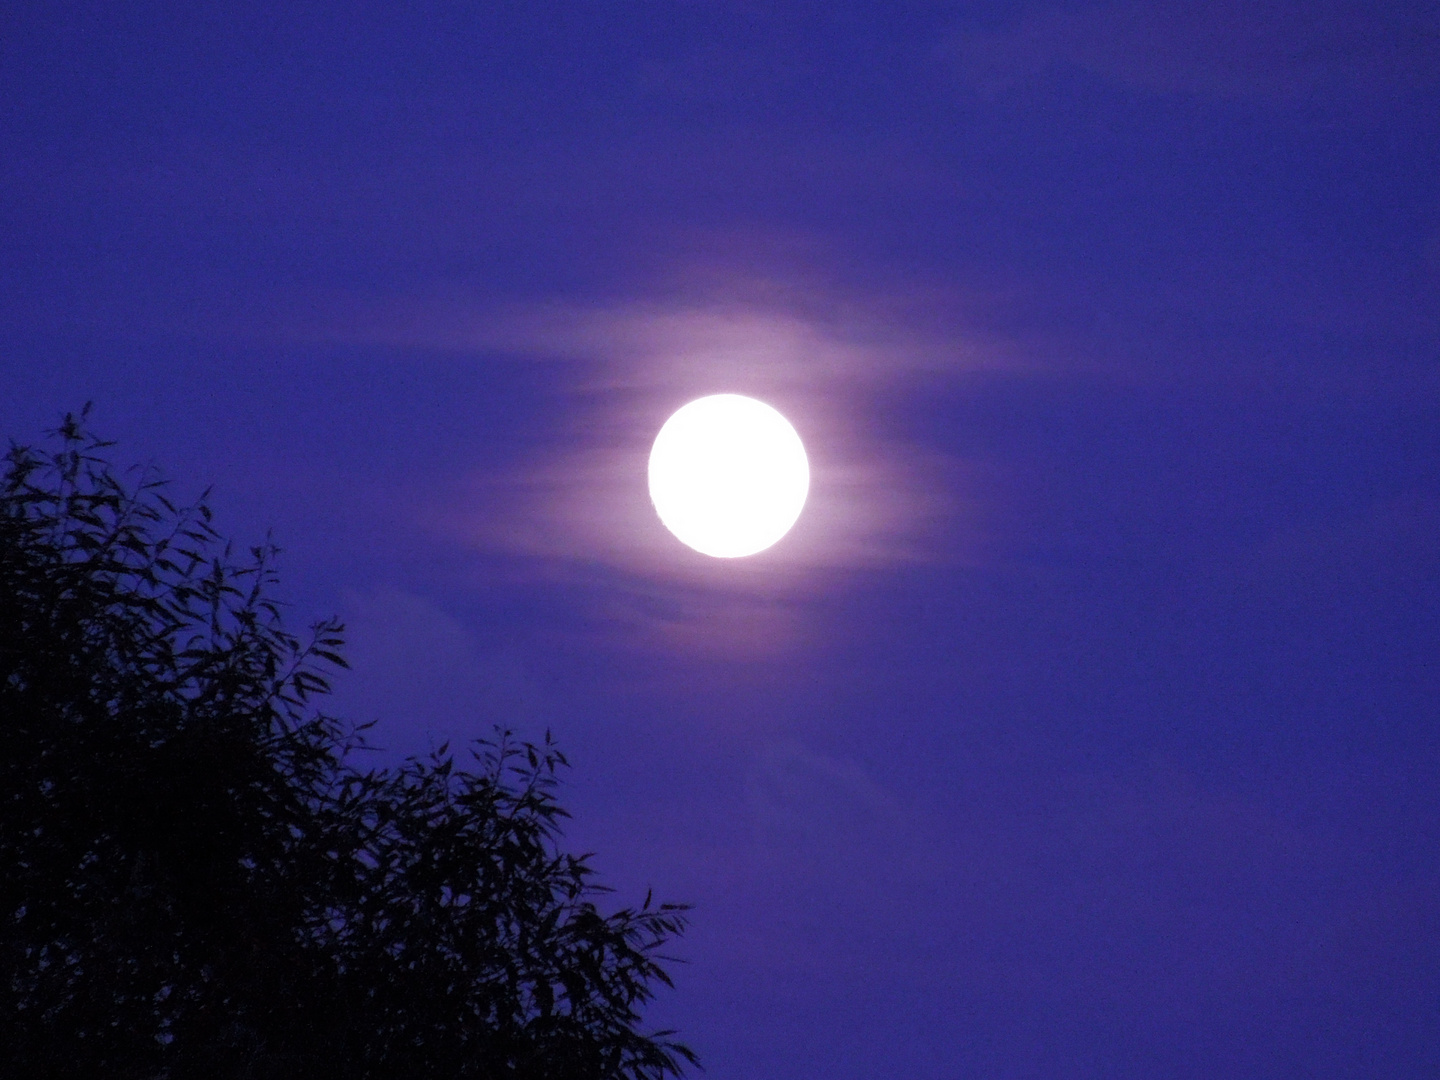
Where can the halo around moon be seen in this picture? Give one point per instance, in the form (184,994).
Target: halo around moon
(728,475)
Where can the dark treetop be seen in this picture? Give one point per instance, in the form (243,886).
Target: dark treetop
(197,881)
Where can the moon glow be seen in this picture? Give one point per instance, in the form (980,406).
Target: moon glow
(728,475)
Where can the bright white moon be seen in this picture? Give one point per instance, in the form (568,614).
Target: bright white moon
(728,475)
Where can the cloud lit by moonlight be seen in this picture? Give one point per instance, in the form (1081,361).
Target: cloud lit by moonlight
(581,507)
(875,499)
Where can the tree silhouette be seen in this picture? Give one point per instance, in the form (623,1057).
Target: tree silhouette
(196,881)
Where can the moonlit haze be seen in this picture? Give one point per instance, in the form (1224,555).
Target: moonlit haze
(728,475)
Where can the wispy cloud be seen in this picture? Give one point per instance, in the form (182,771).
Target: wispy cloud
(425,678)
(798,794)
(877,498)
(1276,49)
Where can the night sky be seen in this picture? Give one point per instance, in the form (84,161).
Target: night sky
(1086,723)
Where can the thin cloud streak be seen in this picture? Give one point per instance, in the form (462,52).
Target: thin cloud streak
(578,508)
(877,499)
(1277,51)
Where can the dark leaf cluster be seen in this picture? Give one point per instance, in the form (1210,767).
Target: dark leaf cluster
(197,881)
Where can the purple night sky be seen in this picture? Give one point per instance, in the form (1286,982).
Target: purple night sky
(1088,722)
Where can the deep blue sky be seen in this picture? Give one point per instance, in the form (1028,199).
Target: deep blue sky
(1085,726)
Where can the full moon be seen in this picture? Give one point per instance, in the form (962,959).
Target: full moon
(728,475)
